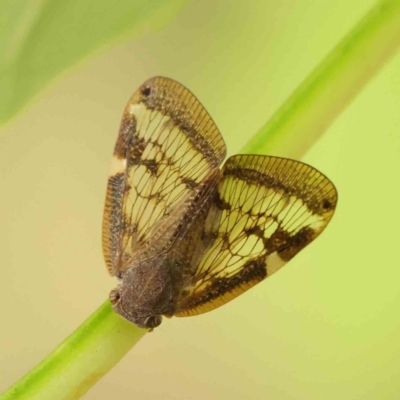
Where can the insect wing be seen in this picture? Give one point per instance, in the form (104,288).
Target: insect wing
(266,211)
(167,145)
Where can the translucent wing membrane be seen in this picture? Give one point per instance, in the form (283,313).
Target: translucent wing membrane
(266,210)
(167,145)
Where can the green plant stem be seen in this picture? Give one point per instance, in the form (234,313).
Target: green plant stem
(81,360)
(97,345)
(329,89)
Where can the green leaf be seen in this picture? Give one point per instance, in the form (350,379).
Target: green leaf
(41,38)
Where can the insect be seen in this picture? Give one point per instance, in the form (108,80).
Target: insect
(182,236)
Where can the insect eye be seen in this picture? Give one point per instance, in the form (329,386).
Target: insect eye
(146,91)
(153,321)
(114,296)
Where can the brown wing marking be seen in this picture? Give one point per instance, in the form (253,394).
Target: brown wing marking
(267,209)
(167,144)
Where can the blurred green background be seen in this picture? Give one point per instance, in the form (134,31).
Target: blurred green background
(324,327)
